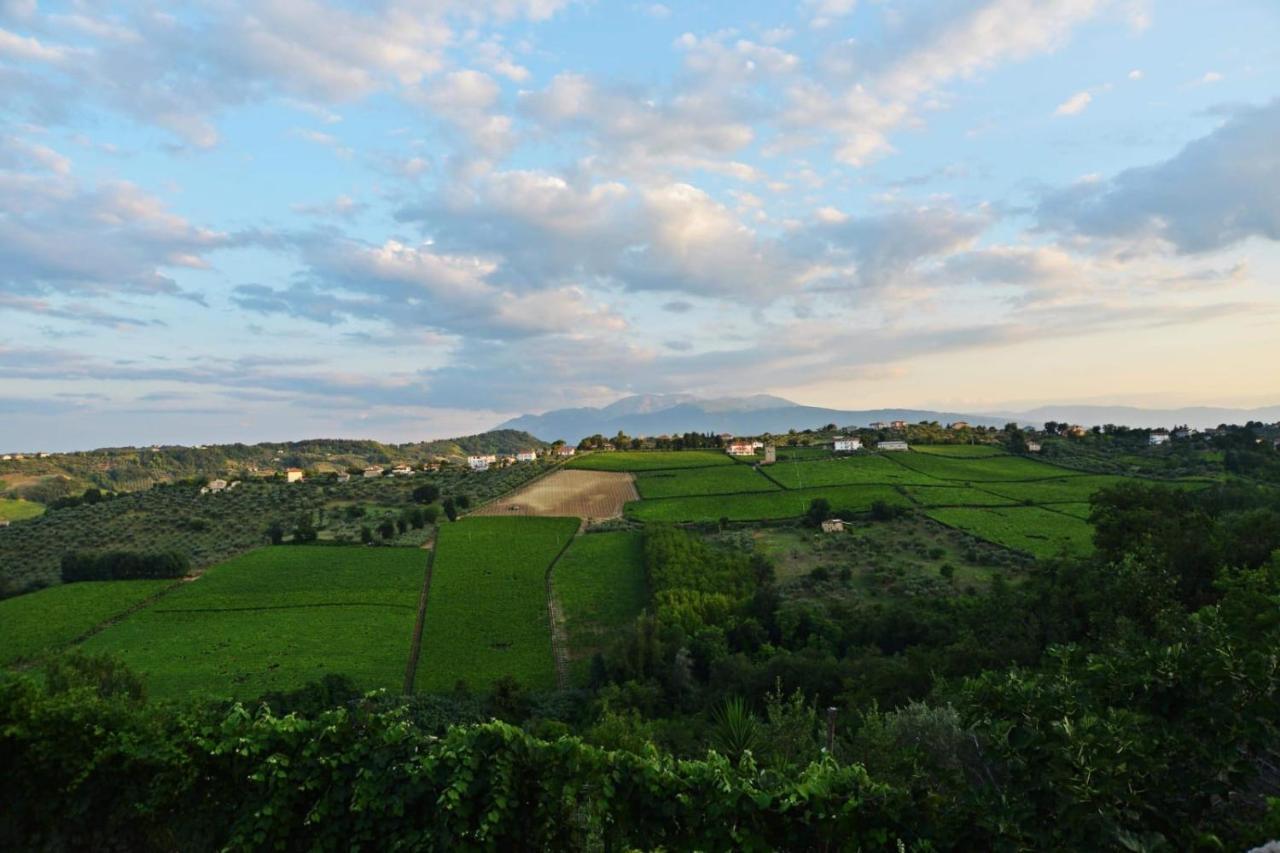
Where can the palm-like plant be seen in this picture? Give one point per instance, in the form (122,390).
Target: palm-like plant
(737,731)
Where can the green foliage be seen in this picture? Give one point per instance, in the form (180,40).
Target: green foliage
(45,621)
(650,460)
(765,505)
(122,566)
(487,615)
(960,451)
(13,509)
(1033,530)
(997,469)
(719,480)
(600,584)
(276,619)
(863,468)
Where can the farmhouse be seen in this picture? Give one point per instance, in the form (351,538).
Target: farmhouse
(4,522)
(847,444)
(343,477)
(741,448)
(292,475)
(6,457)
(1160,436)
(833,525)
(1076,431)
(892,445)
(1033,447)
(958,425)
(878,425)
(481,462)
(566,450)
(217,485)
(372,471)
(898,425)
(402,471)
(1183,433)
(526,456)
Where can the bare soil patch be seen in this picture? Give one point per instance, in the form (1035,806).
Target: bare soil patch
(584,494)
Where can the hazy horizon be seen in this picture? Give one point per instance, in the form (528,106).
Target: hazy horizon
(415,219)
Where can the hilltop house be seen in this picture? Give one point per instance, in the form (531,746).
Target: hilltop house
(741,448)
(897,424)
(958,425)
(1076,431)
(1160,436)
(1033,447)
(878,425)
(402,471)
(217,485)
(343,477)
(1183,433)
(892,445)
(372,471)
(526,456)
(833,525)
(566,450)
(847,444)
(292,475)
(481,462)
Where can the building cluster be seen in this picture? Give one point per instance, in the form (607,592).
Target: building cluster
(213,487)
(483,461)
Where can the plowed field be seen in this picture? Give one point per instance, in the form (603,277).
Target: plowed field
(584,494)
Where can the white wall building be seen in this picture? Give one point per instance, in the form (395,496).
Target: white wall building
(848,444)
(526,456)
(481,462)
(293,475)
(892,445)
(740,448)
(1158,437)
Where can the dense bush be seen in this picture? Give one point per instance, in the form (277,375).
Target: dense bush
(122,565)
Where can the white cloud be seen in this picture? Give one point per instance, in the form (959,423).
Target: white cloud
(1136,74)
(1211,77)
(1074,105)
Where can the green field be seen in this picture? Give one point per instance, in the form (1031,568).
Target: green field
(1077,510)
(275,619)
(650,460)
(599,583)
(720,480)
(1037,531)
(49,619)
(15,509)
(987,470)
(954,496)
(762,506)
(843,471)
(960,451)
(1061,490)
(804,453)
(488,611)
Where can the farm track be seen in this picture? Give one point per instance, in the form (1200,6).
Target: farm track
(555,619)
(415,643)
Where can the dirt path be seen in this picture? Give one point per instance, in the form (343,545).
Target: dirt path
(415,643)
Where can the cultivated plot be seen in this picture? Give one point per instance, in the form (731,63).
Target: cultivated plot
(720,480)
(487,616)
(955,496)
(960,451)
(764,505)
(14,509)
(581,494)
(48,620)
(1037,531)
(650,460)
(599,583)
(275,619)
(990,470)
(846,470)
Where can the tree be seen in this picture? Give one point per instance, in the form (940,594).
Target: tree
(366,535)
(450,509)
(819,511)
(427,493)
(387,528)
(275,532)
(304,531)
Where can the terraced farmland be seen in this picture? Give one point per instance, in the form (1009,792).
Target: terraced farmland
(48,620)
(275,619)
(791,503)
(932,496)
(845,470)
(720,480)
(487,616)
(599,583)
(960,451)
(1037,531)
(985,470)
(650,460)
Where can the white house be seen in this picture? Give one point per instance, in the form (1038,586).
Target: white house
(481,462)
(833,525)
(292,475)
(217,485)
(343,477)
(402,470)
(372,471)
(848,444)
(566,450)
(958,425)
(740,448)
(526,456)
(898,424)
(1033,447)
(892,445)
(1158,437)
(1183,433)
(878,425)
(4,522)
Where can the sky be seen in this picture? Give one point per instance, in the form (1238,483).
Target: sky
(410,219)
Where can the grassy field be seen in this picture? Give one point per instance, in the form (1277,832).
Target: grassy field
(488,611)
(762,506)
(989,470)
(15,509)
(955,496)
(960,451)
(845,470)
(804,453)
(599,583)
(1061,490)
(1077,510)
(1037,531)
(650,460)
(275,619)
(720,480)
(45,621)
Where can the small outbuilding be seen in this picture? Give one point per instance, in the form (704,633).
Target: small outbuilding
(833,525)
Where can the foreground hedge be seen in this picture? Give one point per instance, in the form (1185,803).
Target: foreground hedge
(86,773)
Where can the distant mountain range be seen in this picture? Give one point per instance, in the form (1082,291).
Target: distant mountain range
(669,414)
